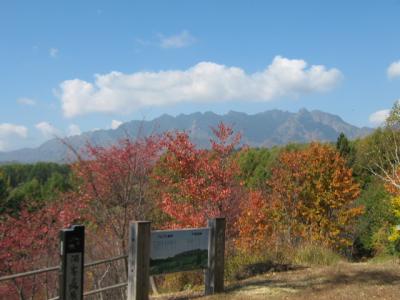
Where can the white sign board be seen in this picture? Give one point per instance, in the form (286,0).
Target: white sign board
(178,250)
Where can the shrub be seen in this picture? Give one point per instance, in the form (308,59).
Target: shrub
(312,255)
(180,281)
(235,264)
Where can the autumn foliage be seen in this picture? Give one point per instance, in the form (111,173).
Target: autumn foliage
(114,183)
(307,194)
(30,241)
(311,198)
(197,184)
(256,223)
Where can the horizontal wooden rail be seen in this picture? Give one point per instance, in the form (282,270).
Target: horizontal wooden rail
(111,287)
(104,261)
(29,273)
(57,268)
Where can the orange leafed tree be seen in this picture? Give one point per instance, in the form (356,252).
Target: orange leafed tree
(197,184)
(310,199)
(256,223)
(314,195)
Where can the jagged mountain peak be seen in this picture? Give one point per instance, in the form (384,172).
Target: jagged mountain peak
(268,128)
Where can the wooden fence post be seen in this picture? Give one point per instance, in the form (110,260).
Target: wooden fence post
(139,260)
(214,277)
(72,242)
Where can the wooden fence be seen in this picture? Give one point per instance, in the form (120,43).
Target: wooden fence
(71,285)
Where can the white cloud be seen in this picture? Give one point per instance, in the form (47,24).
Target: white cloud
(26,101)
(116,92)
(8,130)
(48,130)
(115,124)
(379,117)
(181,40)
(53,52)
(74,129)
(394,70)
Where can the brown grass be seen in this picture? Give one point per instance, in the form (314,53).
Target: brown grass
(342,281)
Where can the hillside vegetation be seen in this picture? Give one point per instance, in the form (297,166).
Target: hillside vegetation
(286,207)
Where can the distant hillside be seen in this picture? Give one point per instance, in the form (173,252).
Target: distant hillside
(274,127)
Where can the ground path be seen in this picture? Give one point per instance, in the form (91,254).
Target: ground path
(342,281)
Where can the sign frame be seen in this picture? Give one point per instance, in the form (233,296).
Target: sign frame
(179,250)
(139,258)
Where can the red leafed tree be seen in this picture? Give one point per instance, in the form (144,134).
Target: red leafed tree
(30,241)
(197,184)
(256,223)
(114,183)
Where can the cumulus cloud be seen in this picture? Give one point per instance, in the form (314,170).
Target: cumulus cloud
(26,101)
(394,70)
(8,130)
(115,124)
(50,131)
(379,117)
(47,130)
(74,129)
(181,40)
(117,92)
(53,52)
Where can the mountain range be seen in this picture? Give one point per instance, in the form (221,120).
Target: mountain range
(265,129)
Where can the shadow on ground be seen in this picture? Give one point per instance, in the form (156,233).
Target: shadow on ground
(265,267)
(321,281)
(347,281)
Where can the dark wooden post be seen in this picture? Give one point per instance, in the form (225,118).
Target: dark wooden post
(214,278)
(139,260)
(72,260)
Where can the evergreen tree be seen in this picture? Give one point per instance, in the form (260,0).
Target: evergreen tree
(343,145)
(3,188)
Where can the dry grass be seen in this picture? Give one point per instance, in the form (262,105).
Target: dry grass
(342,281)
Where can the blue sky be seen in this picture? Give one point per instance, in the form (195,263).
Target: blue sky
(155,57)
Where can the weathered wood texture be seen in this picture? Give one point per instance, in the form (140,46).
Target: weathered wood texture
(71,277)
(138,261)
(214,277)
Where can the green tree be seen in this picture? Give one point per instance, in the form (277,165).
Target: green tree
(343,145)
(26,194)
(31,184)
(3,190)
(384,155)
(55,184)
(379,154)
(377,215)
(255,166)
(393,121)
(346,149)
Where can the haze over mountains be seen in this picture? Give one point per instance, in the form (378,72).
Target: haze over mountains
(265,129)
